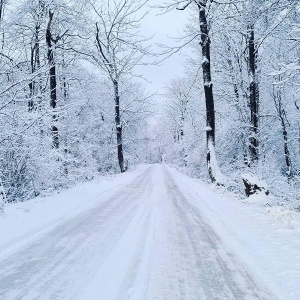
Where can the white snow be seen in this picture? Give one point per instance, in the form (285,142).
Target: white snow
(270,245)
(153,233)
(23,222)
(220,179)
(255,180)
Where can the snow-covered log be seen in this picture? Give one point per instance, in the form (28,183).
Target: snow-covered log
(254,186)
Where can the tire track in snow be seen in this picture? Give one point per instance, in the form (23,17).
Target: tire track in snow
(219,274)
(73,251)
(146,242)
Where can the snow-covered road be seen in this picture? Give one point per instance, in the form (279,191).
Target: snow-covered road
(146,240)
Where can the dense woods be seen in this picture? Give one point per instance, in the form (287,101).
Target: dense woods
(73,106)
(239,95)
(70,103)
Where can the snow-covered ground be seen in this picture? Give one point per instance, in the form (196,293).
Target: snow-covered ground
(152,233)
(25,221)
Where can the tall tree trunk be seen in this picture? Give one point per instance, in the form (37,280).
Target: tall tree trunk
(2,195)
(119,127)
(66,98)
(253,94)
(238,94)
(53,82)
(114,77)
(287,155)
(2,2)
(41,16)
(277,95)
(35,63)
(33,69)
(212,165)
(2,6)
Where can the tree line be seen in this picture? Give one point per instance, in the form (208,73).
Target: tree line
(70,105)
(240,84)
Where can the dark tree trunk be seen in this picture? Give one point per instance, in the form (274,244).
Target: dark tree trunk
(208,87)
(2,6)
(253,94)
(277,94)
(287,155)
(39,85)
(31,93)
(35,63)
(53,83)
(182,119)
(208,91)
(119,127)
(66,150)
(1,9)
(2,195)
(114,77)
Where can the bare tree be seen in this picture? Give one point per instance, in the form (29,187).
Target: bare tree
(52,44)
(279,105)
(205,41)
(253,85)
(119,49)
(53,80)
(35,86)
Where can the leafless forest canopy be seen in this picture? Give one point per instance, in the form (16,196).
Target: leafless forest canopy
(73,105)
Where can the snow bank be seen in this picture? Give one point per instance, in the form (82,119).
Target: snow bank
(23,222)
(262,237)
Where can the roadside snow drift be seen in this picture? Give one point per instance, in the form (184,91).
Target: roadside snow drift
(149,234)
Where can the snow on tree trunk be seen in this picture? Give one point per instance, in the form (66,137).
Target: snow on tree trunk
(119,128)
(53,81)
(277,95)
(254,94)
(35,87)
(2,195)
(212,165)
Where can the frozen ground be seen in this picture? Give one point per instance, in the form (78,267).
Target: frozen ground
(149,234)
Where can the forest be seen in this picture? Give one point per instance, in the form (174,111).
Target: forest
(74,103)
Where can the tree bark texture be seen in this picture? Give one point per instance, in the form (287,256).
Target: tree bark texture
(53,82)
(277,94)
(35,65)
(119,127)
(208,91)
(114,78)
(253,94)
(2,194)
(2,6)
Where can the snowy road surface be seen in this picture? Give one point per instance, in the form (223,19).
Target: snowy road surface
(145,241)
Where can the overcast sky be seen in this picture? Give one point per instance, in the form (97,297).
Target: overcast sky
(164,27)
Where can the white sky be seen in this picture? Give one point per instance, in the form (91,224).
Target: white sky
(164,27)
